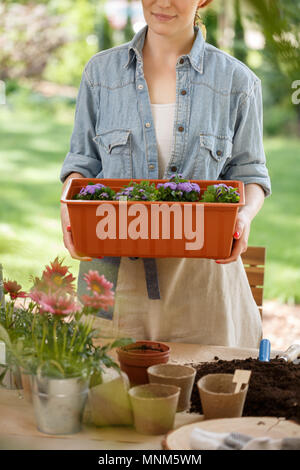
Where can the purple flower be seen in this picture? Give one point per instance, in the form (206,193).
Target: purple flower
(159,185)
(91,188)
(104,194)
(195,187)
(185,187)
(170,185)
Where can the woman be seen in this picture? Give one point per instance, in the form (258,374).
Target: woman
(169,102)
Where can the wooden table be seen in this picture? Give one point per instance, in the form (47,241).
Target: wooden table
(18,429)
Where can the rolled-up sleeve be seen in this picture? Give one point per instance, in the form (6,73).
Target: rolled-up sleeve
(83,156)
(248,160)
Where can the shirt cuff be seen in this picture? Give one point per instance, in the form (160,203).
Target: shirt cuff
(264,183)
(89,167)
(259,176)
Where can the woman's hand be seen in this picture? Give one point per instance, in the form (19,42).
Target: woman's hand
(67,235)
(65,223)
(241,235)
(254,199)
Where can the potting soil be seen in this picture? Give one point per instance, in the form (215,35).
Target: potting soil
(274,386)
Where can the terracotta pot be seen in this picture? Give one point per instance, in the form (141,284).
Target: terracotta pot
(218,224)
(135,358)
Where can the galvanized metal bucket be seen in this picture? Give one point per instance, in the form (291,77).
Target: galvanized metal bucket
(59,403)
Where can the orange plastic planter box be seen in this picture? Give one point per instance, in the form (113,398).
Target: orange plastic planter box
(203,230)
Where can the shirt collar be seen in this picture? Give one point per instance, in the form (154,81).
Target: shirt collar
(196,54)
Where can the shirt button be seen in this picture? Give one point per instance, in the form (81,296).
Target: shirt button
(148,124)
(173,168)
(151,166)
(183,92)
(181,61)
(219,153)
(181,129)
(140,87)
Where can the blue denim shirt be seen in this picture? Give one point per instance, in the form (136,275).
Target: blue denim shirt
(218,129)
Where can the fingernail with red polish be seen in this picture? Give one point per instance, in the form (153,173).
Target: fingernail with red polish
(218,262)
(236,235)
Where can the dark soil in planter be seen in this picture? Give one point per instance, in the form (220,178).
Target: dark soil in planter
(274,387)
(143,348)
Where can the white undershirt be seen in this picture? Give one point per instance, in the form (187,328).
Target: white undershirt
(163,115)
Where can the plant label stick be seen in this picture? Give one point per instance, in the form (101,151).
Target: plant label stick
(240,377)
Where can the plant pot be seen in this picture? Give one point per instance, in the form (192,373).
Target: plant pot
(135,358)
(215,235)
(175,374)
(217,396)
(154,407)
(59,404)
(109,402)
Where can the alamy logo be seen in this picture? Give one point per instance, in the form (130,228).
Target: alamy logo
(2,92)
(138,227)
(296,94)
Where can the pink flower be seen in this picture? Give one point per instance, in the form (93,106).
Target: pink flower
(102,295)
(98,301)
(56,277)
(58,304)
(36,295)
(13,289)
(97,284)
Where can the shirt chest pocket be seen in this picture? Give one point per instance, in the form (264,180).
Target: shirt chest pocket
(115,147)
(213,152)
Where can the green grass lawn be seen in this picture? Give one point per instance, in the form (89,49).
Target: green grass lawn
(34,139)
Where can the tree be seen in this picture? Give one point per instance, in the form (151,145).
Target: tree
(279,21)
(240,50)
(128,30)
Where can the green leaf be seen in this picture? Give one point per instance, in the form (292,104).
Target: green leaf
(4,336)
(122,342)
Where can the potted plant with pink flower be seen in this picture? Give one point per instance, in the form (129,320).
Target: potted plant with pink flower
(58,350)
(15,322)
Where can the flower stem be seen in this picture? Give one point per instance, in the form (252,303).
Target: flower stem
(55,339)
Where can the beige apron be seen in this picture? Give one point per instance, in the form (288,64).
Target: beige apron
(201,302)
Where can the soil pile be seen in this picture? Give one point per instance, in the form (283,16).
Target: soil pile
(274,387)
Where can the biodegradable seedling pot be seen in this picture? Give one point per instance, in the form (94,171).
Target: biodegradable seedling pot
(218,398)
(135,358)
(109,401)
(217,225)
(175,374)
(154,407)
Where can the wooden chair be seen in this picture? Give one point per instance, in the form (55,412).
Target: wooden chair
(254,264)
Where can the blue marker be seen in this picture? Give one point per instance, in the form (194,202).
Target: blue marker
(264,350)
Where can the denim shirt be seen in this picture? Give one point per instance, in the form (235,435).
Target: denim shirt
(218,128)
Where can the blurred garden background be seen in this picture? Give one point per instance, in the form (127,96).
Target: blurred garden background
(44,46)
